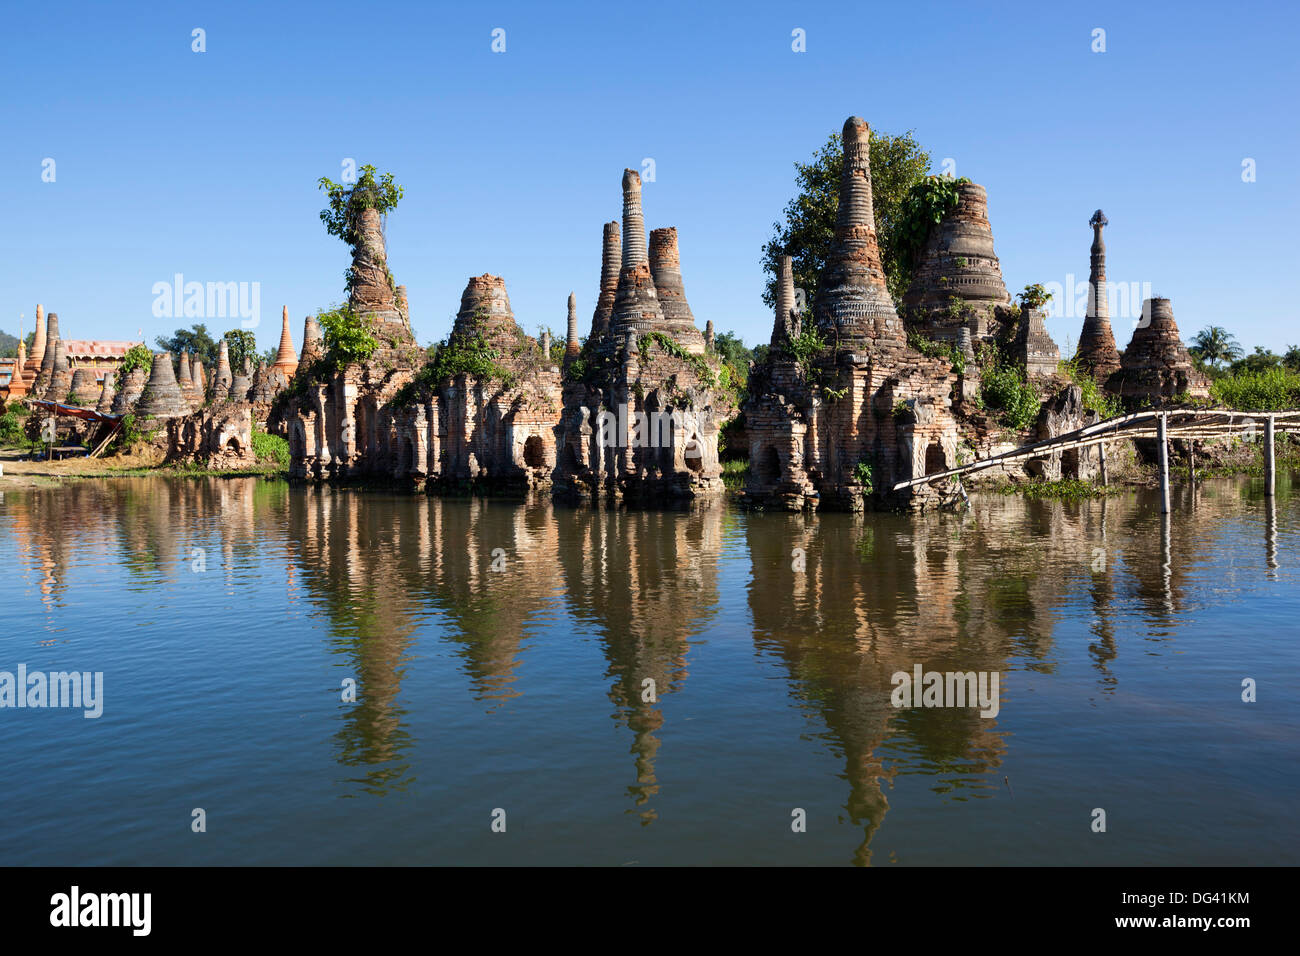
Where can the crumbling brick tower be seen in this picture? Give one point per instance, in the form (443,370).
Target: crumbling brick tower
(863,408)
(1156,366)
(338,421)
(643,402)
(492,428)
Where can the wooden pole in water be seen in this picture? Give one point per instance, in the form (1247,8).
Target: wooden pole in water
(1191,459)
(1162,437)
(1105,475)
(1270,463)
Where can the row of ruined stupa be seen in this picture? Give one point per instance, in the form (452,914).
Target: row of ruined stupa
(958,263)
(170,388)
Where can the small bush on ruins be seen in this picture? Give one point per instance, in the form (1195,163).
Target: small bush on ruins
(924,207)
(864,475)
(137,356)
(1094,398)
(347,336)
(1034,296)
(932,349)
(1004,389)
(806,347)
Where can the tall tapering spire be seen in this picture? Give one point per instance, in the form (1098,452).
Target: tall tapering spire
(286,360)
(783,324)
(38,343)
(45,375)
(854,309)
(571,349)
(636,304)
(634,248)
(610,264)
(1097,352)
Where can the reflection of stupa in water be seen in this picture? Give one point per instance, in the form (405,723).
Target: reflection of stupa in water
(982,592)
(646,579)
(353,579)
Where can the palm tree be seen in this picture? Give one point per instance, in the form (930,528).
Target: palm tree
(1214,345)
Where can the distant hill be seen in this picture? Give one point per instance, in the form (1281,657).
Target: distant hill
(8,345)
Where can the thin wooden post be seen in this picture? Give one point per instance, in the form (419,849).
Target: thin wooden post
(1162,436)
(1270,463)
(1105,475)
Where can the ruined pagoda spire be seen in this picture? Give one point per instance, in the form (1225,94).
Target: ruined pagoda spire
(666,270)
(162,396)
(286,360)
(312,343)
(854,308)
(783,326)
(571,348)
(18,385)
(45,373)
(636,303)
(370,292)
(1097,352)
(610,264)
(185,379)
(223,378)
(38,344)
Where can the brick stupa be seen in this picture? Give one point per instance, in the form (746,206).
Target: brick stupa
(610,266)
(222,379)
(958,260)
(1156,365)
(162,397)
(665,268)
(853,309)
(286,361)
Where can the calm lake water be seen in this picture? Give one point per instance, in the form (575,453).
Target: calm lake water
(501,652)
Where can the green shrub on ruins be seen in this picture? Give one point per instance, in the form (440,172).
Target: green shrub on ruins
(1004,389)
(1095,398)
(347,336)
(137,356)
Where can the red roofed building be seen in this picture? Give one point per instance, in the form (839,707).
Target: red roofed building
(101,356)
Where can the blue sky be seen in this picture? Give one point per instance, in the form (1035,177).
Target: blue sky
(169,161)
